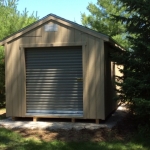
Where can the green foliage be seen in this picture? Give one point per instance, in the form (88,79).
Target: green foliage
(141,108)
(136,85)
(143,130)
(101,19)
(11,20)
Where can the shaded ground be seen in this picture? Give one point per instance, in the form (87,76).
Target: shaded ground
(123,129)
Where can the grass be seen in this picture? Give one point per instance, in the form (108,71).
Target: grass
(10,140)
(2,110)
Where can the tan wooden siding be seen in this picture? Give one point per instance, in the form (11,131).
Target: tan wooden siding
(48,37)
(85,77)
(71,37)
(93,69)
(13,78)
(23,78)
(8,81)
(64,34)
(77,36)
(8,76)
(34,33)
(91,77)
(18,77)
(100,80)
(59,37)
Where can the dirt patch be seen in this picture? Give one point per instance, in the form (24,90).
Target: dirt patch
(123,129)
(65,135)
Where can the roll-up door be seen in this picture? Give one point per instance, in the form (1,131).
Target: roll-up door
(54,81)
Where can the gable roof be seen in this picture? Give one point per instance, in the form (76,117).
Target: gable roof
(58,19)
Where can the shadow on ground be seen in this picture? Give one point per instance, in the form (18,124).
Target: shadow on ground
(122,136)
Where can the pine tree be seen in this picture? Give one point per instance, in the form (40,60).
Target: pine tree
(101,19)
(11,20)
(136,85)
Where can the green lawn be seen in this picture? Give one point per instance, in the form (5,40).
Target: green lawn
(10,140)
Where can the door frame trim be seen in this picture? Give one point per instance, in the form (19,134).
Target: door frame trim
(22,48)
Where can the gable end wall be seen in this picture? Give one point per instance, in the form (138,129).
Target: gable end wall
(93,67)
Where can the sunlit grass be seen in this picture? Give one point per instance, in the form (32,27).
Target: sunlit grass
(2,110)
(2,113)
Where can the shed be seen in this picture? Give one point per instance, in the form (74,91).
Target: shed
(57,68)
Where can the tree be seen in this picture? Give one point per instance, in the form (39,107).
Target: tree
(11,20)
(136,86)
(101,19)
